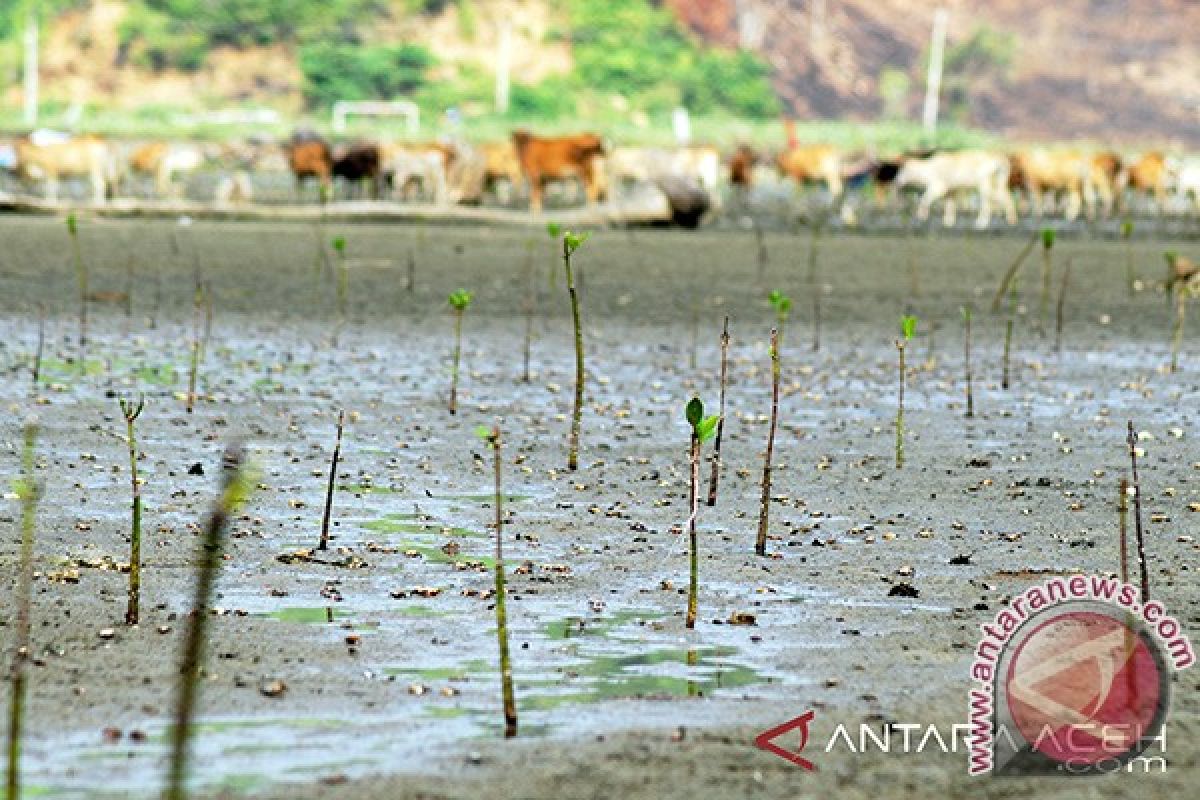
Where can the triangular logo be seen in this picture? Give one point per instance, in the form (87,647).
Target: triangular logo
(764,740)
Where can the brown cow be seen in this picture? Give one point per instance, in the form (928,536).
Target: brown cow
(1147,175)
(1065,171)
(52,159)
(808,163)
(359,163)
(556,158)
(1104,177)
(309,156)
(741,167)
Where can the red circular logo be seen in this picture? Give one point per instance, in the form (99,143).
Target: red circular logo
(1085,686)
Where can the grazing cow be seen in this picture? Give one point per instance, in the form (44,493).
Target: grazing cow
(1147,175)
(420,167)
(162,161)
(360,163)
(52,158)
(501,169)
(944,174)
(310,156)
(544,159)
(1104,174)
(741,167)
(1068,172)
(813,163)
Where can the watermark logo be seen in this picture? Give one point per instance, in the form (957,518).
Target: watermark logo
(766,740)
(1073,677)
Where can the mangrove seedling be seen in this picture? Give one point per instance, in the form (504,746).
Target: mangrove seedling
(333,466)
(1048,237)
(1131,439)
(459,300)
(1008,331)
(555,232)
(966,315)
(703,429)
(1062,301)
(908,327)
(492,437)
(764,511)
(36,369)
(131,410)
(1011,274)
(761,245)
(572,242)
(1127,238)
(530,306)
(783,307)
(27,489)
(1123,529)
(81,277)
(343,276)
(198,305)
(235,486)
(1183,272)
(716,459)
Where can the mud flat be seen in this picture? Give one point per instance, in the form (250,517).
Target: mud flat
(388,653)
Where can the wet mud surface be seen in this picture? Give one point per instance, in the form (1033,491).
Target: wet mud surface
(387,651)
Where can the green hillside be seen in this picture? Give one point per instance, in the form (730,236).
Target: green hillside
(630,48)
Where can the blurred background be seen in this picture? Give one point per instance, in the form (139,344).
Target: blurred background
(1122,72)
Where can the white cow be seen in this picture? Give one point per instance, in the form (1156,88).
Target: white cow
(1187,182)
(944,174)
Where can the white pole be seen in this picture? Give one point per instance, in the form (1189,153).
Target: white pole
(31,68)
(933,82)
(503,66)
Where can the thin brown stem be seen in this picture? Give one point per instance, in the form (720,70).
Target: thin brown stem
(714,478)
(1062,301)
(577,413)
(329,488)
(1132,439)
(29,497)
(693,544)
(506,672)
(764,514)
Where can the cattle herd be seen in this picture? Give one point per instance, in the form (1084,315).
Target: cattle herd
(586,168)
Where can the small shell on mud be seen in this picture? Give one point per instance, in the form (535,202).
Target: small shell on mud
(742,618)
(274,688)
(417,689)
(106,633)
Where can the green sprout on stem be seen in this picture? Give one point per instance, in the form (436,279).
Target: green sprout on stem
(492,437)
(908,328)
(343,275)
(783,307)
(131,410)
(459,300)
(570,243)
(1048,237)
(81,277)
(703,428)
